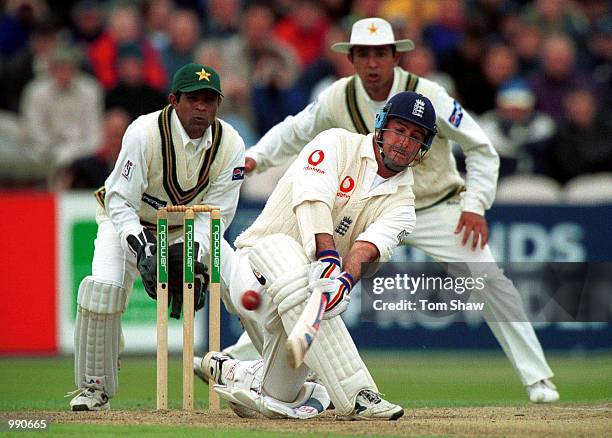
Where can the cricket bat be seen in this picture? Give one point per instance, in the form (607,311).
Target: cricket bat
(306,328)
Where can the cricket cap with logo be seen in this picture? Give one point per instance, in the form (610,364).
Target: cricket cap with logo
(372,32)
(194,77)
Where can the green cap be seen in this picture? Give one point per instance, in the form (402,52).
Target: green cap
(193,77)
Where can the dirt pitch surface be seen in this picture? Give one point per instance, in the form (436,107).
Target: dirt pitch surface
(514,421)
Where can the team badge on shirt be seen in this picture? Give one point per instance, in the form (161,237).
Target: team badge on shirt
(456,115)
(238,173)
(344,225)
(127,170)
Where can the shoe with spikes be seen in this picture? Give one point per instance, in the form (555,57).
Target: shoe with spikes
(90,399)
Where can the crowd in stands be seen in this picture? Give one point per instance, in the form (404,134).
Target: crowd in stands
(536,74)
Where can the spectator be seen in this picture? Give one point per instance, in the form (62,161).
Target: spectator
(242,51)
(446,32)
(558,75)
(24,65)
(124,26)
(527,43)
(87,23)
(498,66)
(222,19)
(557,16)
(17,22)
(491,14)
(336,10)
(415,12)
(157,20)
(131,92)
(304,29)
(463,63)
(519,133)
(275,92)
(582,144)
(245,55)
(328,68)
(90,172)
(184,33)
(600,47)
(594,10)
(62,113)
(237,108)
(362,9)
(422,63)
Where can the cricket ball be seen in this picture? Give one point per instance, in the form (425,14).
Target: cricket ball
(250,300)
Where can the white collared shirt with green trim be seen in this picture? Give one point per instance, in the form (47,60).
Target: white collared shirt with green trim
(434,179)
(139,170)
(339,168)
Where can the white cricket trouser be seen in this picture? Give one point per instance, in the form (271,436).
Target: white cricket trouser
(110,262)
(435,235)
(280,380)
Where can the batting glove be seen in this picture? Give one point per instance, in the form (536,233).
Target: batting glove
(328,265)
(338,294)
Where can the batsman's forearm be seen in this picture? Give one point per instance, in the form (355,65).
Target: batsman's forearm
(361,252)
(324,242)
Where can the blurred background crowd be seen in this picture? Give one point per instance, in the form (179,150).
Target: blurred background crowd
(74,74)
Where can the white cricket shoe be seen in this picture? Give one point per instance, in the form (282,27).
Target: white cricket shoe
(210,367)
(370,406)
(543,391)
(90,399)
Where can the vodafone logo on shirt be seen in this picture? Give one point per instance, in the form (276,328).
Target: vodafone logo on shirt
(346,186)
(314,159)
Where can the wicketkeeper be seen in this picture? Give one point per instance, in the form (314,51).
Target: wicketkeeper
(181,155)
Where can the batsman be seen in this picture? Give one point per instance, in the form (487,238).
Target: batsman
(451,225)
(181,155)
(345,201)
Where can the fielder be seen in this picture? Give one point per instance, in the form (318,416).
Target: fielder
(183,155)
(346,200)
(450,210)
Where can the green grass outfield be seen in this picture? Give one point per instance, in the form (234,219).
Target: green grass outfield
(414,380)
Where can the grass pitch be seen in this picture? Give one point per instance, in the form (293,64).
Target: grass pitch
(445,394)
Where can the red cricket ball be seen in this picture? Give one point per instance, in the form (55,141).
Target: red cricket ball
(250,300)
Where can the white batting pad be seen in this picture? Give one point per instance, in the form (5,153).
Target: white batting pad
(277,255)
(333,354)
(101,297)
(250,343)
(97,335)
